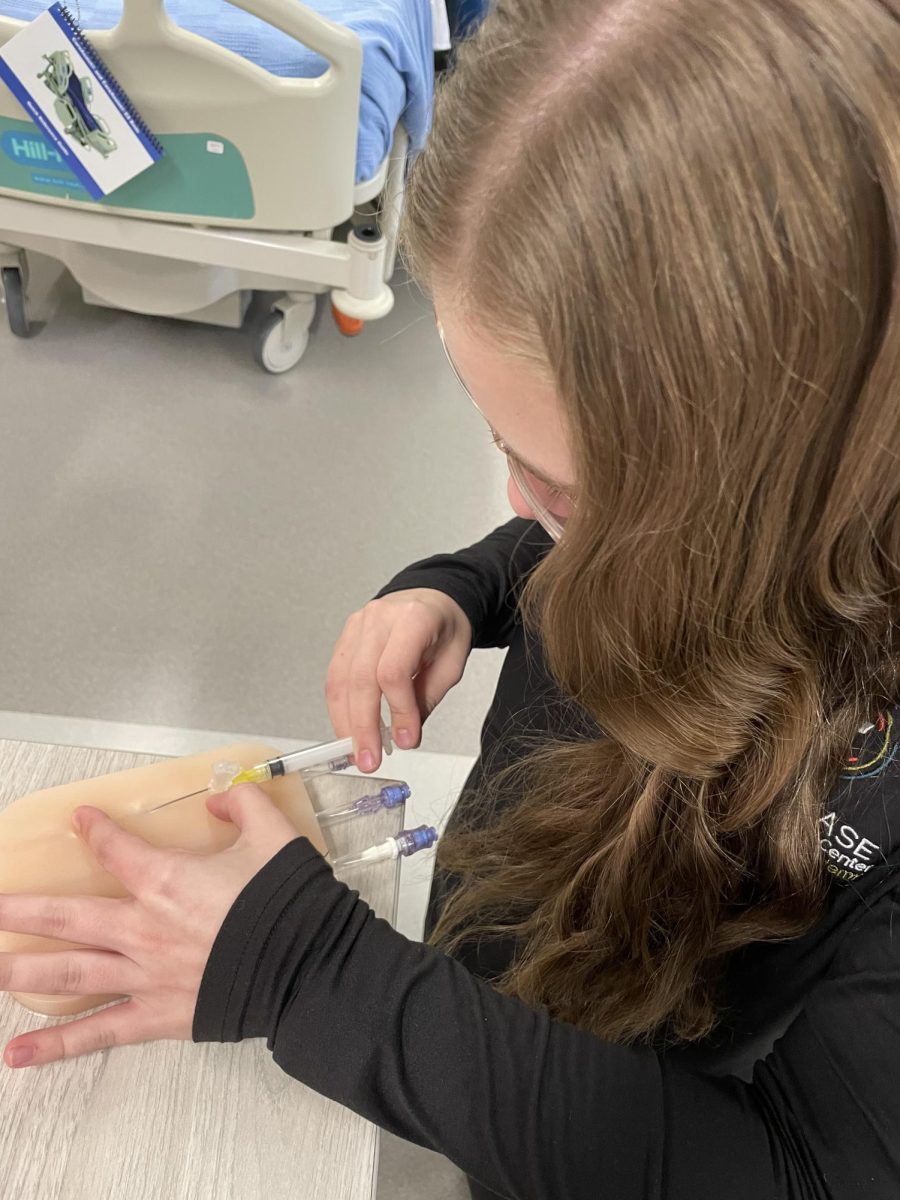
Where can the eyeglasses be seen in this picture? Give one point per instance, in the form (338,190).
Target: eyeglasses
(539,494)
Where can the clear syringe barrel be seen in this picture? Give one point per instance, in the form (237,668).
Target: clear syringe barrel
(328,757)
(274,769)
(314,760)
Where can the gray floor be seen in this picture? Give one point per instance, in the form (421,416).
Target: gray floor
(183,535)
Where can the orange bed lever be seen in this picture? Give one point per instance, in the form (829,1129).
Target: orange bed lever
(349,326)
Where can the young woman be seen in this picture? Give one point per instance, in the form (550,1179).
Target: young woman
(662,241)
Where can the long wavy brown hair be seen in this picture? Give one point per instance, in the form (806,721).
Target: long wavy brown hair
(688,211)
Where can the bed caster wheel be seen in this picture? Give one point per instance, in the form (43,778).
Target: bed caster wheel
(276,349)
(14,298)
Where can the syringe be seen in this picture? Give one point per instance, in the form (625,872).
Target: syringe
(314,760)
(405,843)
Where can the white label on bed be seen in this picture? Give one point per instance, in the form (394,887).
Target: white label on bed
(215,147)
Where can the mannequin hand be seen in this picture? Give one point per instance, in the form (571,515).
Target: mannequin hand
(151,946)
(410,647)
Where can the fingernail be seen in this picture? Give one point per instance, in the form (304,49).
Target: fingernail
(20,1056)
(404,739)
(366,761)
(80,815)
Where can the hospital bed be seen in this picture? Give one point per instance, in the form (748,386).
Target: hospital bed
(284,167)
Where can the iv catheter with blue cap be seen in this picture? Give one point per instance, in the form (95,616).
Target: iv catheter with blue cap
(404,843)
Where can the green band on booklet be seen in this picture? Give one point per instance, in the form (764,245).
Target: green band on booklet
(201,175)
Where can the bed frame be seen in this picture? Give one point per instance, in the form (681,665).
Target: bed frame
(293,143)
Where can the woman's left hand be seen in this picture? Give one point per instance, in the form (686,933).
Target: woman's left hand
(151,946)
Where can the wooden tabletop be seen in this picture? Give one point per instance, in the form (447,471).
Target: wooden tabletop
(174,1120)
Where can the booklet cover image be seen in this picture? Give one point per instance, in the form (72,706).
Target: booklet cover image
(73,97)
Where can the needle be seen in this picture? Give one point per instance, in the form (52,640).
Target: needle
(186,796)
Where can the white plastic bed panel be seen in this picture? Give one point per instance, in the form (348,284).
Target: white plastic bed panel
(296,138)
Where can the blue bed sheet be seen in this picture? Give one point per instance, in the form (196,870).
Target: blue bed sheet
(396,36)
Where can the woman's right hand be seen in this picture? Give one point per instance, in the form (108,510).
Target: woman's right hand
(410,647)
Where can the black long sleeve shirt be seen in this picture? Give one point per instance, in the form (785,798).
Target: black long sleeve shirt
(796,1095)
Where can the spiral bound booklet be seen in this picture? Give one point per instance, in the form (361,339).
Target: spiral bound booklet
(65,88)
